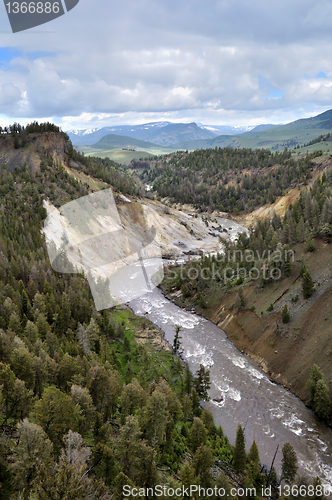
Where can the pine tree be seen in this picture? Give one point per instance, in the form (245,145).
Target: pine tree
(285,316)
(289,463)
(198,434)
(253,455)
(202,463)
(202,382)
(188,478)
(315,376)
(322,401)
(307,285)
(239,457)
(188,379)
(177,338)
(33,449)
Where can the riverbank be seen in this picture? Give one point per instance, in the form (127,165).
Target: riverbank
(231,330)
(240,393)
(285,352)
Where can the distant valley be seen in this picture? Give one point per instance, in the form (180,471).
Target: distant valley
(150,137)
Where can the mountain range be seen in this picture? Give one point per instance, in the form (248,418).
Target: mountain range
(160,133)
(193,136)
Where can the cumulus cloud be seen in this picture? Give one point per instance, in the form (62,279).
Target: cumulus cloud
(109,63)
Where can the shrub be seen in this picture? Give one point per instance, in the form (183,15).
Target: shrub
(310,246)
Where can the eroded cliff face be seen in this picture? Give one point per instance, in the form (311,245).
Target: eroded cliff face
(123,241)
(34,148)
(177,233)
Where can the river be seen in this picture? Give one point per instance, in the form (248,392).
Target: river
(270,414)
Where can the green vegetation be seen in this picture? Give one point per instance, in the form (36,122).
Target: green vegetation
(319,393)
(240,457)
(267,248)
(85,406)
(229,180)
(285,316)
(308,287)
(177,339)
(276,138)
(289,463)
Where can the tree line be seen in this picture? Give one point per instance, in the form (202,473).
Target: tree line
(84,408)
(228,180)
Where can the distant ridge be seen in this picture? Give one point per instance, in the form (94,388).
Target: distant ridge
(193,136)
(276,137)
(113,141)
(160,133)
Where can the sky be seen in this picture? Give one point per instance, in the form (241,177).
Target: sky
(227,62)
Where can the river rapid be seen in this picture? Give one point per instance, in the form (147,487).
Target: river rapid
(270,414)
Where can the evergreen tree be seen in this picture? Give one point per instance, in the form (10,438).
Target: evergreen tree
(198,434)
(188,478)
(202,463)
(285,316)
(188,379)
(32,451)
(239,457)
(289,463)
(177,338)
(202,382)
(322,401)
(307,285)
(237,303)
(315,376)
(56,413)
(253,455)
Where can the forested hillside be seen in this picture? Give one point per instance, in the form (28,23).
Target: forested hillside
(85,406)
(270,290)
(228,180)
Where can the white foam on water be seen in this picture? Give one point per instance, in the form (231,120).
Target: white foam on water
(293,424)
(277,413)
(198,350)
(255,373)
(266,429)
(323,445)
(207,361)
(234,394)
(222,389)
(238,362)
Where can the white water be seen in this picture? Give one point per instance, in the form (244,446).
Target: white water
(271,415)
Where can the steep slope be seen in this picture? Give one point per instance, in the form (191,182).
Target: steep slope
(32,149)
(250,285)
(276,138)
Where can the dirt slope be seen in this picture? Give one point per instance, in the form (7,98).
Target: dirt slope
(285,351)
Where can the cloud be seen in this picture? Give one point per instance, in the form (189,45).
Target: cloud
(219,60)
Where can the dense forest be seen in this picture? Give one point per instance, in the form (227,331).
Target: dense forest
(265,256)
(84,407)
(228,180)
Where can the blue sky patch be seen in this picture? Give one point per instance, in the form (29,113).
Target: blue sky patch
(270,91)
(321,74)
(7,54)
